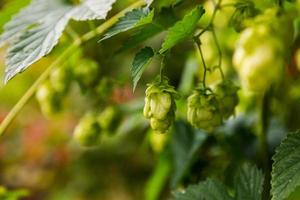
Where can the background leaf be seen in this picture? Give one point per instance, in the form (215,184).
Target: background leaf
(132,19)
(182,29)
(185,143)
(140,62)
(207,190)
(159,176)
(286,167)
(249,183)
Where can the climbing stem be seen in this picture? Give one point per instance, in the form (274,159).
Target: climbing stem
(263,142)
(162,67)
(77,42)
(198,43)
(210,27)
(219,52)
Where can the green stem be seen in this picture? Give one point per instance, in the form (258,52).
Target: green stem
(31,91)
(219,52)
(210,24)
(263,143)
(198,43)
(161,70)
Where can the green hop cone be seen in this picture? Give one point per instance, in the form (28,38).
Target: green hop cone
(87,131)
(260,54)
(61,79)
(109,119)
(160,105)
(203,110)
(87,73)
(49,100)
(226,93)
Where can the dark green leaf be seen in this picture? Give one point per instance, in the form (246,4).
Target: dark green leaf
(132,19)
(249,183)
(182,29)
(185,143)
(143,34)
(286,167)
(207,190)
(140,62)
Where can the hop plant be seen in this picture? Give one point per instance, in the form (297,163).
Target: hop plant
(260,54)
(203,110)
(87,131)
(226,93)
(160,105)
(49,99)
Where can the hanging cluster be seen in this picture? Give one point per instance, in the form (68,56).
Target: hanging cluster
(203,110)
(260,54)
(86,74)
(93,124)
(208,108)
(160,105)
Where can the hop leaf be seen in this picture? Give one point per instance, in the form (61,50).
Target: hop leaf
(36,29)
(286,166)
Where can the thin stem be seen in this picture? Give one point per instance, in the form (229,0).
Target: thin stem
(228,5)
(198,43)
(31,91)
(219,52)
(264,147)
(161,70)
(210,24)
(72,33)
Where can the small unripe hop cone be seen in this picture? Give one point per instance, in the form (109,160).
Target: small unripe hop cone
(207,109)
(160,105)
(203,110)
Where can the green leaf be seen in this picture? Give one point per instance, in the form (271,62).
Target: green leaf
(163,20)
(132,19)
(286,167)
(140,62)
(182,29)
(36,29)
(185,143)
(207,190)
(249,183)
(142,35)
